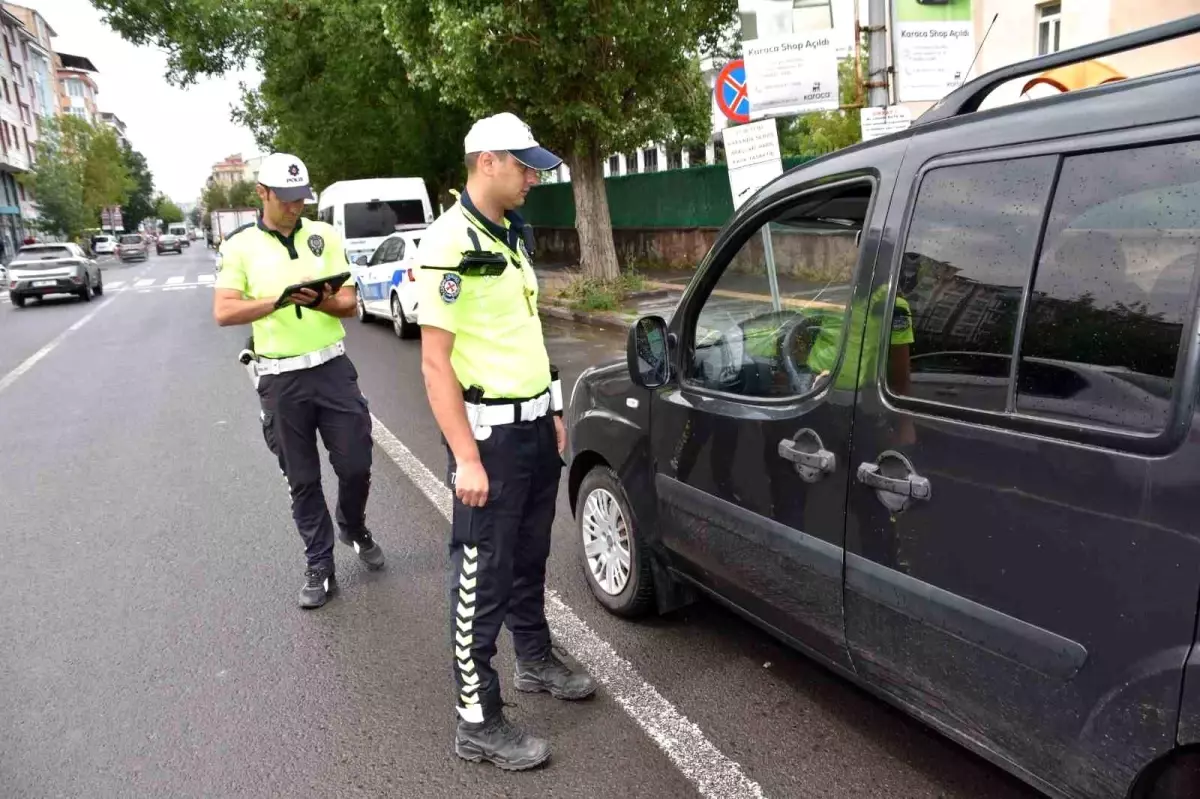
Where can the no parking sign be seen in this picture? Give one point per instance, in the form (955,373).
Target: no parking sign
(730,91)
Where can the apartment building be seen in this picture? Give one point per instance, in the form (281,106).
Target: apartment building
(77,88)
(111,120)
(229,171)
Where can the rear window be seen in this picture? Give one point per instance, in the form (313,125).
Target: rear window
(43,253)
(131,239)
(371,219)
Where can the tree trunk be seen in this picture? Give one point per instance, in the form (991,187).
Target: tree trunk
(597,255)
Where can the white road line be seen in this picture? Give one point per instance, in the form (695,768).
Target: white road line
(29,362)
(114,286)
(716,776)
(180,288)
(147,281)
(206,278)
(175,281)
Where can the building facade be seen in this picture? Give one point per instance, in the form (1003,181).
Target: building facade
(111,120)
(229,171)
(77,89)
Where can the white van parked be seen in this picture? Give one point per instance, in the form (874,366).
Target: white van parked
(367,211)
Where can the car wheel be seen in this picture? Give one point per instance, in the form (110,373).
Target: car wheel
(404,328)
(99,284)
(19,302)
(360,310)
(85,293)
(615,562)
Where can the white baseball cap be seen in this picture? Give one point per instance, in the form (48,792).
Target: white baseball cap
(507,133)
(287,176)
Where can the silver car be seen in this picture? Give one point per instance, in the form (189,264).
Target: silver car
(40,270)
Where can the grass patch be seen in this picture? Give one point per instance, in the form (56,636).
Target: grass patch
(589,294)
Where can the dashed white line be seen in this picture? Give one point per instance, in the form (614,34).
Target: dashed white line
(114,286)
(206,278)
(175,281)
(715,776)
(29,362)
(148,281)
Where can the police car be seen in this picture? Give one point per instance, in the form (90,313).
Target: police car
(386,283)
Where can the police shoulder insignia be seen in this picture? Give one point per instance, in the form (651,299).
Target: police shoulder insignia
(901,321)
(316,244)
(451,287)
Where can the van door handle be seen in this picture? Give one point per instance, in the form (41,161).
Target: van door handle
(913,486)
(809,455)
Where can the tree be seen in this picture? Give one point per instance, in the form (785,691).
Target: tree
(80,170)
(825,131)
(243,194)
(194,217)
(334,91)
(167,211)
(215,195)
(590,78)
(140,204)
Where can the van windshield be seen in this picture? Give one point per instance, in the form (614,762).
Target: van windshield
(373,219)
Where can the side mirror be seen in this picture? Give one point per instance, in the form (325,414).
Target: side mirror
(360,260)
(646,352)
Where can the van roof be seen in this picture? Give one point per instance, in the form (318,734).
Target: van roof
(373,187)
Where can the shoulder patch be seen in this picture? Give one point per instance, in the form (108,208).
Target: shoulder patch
(451,287)
(316,245)
(901,321)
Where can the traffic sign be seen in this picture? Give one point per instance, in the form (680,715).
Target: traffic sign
(730,91)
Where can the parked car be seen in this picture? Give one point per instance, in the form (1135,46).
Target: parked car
(40,270)
(103,245)
(945,439)
(132,247)
(386,283)
(169,242)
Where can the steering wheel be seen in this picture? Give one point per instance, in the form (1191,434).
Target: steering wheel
(720,371)
(792,332)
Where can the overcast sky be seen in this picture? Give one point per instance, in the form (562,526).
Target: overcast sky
(182,132)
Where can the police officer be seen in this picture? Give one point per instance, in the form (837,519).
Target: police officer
(306,383)
(499,407)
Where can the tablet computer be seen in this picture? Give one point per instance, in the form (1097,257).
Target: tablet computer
(318,285)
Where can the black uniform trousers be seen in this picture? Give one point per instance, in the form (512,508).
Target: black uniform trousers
(295,407)
(498,558)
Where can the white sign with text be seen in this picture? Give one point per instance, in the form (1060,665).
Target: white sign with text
(752,157)
(791,74)
(878,122)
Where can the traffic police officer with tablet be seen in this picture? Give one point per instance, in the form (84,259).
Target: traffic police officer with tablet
(499,406)
(305,381)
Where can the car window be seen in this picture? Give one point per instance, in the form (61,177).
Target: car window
(131,239)
(397,251)
(380,253)
(43,253)
(771,325)
(1114,288)
(963,272)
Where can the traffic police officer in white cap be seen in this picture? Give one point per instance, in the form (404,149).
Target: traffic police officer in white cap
(498,403)
(305,381)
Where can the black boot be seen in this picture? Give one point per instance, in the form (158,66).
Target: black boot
(369,552)
(553,676)
(498,741)
(319,585)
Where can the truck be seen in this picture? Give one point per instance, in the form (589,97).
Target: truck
(226,220)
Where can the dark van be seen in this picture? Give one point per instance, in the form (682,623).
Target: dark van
(928,412)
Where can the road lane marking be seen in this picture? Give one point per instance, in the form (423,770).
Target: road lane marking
(175,281)
(714,775)
(29,362)
(206,278)
(148,281)
(114,286)
(181,288)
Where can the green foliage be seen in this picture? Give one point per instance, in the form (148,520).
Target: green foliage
(334,92)
(241,194)
(167,211)
(809,135)
(195,216)
(589,78)
(594,294)
(140,204)
(80,170)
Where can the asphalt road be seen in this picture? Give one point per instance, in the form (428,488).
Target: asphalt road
(149,578)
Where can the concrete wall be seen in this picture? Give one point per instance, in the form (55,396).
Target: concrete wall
(810,256)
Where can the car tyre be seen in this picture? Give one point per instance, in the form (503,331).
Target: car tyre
(404,328)
(360,309)
(18,302)
(85,293)
(636,597)
(99,284)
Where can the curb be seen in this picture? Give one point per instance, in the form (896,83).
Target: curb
(597,318)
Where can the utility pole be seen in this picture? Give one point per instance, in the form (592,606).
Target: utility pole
(877,60)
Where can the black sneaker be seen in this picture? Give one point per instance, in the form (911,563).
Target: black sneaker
(554,677)
(319,585)
(370,553)
(501,742)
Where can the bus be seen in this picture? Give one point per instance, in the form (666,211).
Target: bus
(367,211)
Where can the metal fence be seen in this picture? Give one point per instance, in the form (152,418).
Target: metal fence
(677,198)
